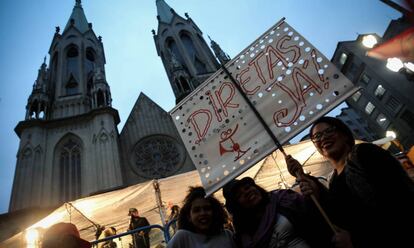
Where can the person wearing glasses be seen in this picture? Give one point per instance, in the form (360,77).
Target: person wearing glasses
(370,197)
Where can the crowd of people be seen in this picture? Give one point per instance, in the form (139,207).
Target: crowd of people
(369,202)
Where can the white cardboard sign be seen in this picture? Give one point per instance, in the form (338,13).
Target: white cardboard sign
(289,82)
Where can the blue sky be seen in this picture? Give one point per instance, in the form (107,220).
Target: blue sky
(27,28)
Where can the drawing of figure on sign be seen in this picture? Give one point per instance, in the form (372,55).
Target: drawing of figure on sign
(227,144)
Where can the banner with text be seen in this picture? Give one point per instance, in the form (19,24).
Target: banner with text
(289,82)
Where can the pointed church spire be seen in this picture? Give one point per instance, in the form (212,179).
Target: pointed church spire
(41,81)
(38,102)
(220,54)
(185,54)
(164,11)
(78,18)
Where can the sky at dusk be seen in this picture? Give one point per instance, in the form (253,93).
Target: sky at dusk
(132,65)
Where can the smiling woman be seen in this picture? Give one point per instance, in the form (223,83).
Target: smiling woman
(367,183)
(201,223)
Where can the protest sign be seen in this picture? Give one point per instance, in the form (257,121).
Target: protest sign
(287,80)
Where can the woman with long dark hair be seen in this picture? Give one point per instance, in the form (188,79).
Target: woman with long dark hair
(201,223)
(281,218)
(370,195)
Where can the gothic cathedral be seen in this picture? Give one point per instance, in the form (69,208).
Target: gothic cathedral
(70,146)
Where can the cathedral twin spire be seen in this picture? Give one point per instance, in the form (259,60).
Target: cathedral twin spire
(185,54)
(78,19)
(75,82)
(76,73)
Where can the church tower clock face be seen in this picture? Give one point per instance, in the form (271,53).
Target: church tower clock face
(157,156)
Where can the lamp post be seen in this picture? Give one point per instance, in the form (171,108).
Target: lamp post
(369,41)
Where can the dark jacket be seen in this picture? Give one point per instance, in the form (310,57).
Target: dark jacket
(373,198)
(140,241)
(301,212)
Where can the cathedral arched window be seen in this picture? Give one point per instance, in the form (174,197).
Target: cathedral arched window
(27,154)
(192,53)
(54,66)
(200,66)
(72,61)
(72,52)
(90,60)
(178,84)
(69,158)
(90,54)
(89,84)
(100,98)
(71,86)
(184,84)
(172,46)
(188,44)
(33,114)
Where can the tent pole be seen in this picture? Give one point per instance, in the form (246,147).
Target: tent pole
(160,206)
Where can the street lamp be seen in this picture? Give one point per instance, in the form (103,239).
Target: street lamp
(394,64)
(394,140)
(409,66)
(391,134)
(369,41)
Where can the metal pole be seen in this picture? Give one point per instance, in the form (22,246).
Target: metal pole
(160,206)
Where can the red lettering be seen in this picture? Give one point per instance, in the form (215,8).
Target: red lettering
(297,96)
(201,121)
(273,57)
(244,81)
(227,102)
(215,107)
(285,50)
(255,63)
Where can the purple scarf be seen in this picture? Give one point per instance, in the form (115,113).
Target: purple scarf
(278,198)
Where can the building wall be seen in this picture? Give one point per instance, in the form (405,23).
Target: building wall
(390,110)
(357,124)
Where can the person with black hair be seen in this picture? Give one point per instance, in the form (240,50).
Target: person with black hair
(201,223)
(280,218)
(370,196)
(172,218)
(140,239)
